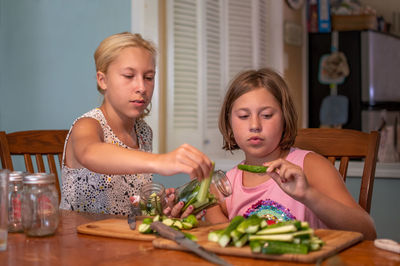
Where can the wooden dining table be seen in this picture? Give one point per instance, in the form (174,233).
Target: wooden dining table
(68,247)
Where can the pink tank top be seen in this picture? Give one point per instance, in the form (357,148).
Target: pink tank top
(268,199)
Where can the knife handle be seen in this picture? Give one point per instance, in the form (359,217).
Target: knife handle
(166,231)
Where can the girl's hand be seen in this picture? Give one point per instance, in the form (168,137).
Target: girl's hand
(185,159)
(175,210)
(289,177)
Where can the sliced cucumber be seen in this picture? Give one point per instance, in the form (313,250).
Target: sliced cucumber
(214,236)
(242,241)
(277,237)
(145,228)
(226,235)
(168,221)
(278,230)
(256,246)
(178,224)
(278,247)
(205,185)
(187,225)
(147,220)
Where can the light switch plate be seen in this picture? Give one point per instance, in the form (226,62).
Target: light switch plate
(293,33)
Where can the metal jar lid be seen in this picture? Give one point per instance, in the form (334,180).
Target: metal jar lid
(39,178)
(16,176)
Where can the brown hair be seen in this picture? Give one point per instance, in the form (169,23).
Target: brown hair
(111,46)
(253,79)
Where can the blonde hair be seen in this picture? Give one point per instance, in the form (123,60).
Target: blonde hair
(109,49)
(250,80)
(111,46)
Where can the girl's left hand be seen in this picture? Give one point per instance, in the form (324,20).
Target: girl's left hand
(289,177)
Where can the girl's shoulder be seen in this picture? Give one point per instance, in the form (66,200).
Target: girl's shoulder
(297,156)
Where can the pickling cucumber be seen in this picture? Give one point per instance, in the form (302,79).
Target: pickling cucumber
(250,225)
(253,168)
(214,236)
(204,186)
(226,235)
(280,228)
(279,247)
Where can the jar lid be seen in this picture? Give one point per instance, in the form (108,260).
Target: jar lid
(39,178)
(16,176)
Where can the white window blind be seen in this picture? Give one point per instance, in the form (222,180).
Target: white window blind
(209,42)
(185,64)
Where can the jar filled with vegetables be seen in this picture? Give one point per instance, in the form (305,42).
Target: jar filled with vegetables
(206,193)
(152,199)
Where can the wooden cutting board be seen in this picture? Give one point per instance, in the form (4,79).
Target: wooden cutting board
(116,228)
(119,228)
(335,241)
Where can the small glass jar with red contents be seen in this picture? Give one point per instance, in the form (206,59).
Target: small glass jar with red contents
(40,216)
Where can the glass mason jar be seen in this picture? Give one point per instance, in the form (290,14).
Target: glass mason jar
(152,199)
(220,187)
(40,205)
(15,189)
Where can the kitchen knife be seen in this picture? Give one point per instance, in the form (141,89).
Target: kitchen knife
(135,211)
(132,221)
(177,236)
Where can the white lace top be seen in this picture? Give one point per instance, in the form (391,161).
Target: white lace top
(87,191)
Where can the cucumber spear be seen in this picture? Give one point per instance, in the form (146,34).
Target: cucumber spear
(204,186)
(253,168)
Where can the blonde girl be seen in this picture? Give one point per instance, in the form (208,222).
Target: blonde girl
(107,155)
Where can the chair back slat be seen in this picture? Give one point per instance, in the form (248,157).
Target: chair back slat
(34,142)
(344,164)
(6,161)
(40,163)
(59,155)
(28,163)
(53,169)
(343,145)
(332,159)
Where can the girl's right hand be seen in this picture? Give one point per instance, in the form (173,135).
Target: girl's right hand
(185,159)
(175,210)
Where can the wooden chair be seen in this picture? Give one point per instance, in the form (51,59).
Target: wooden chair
(39,143)
(343,145)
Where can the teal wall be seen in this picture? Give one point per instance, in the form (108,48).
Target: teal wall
(47,75)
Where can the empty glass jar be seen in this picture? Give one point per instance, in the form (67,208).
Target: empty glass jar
(40,205)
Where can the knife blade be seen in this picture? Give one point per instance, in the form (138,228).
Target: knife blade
(177,236)
(132,221)
(135,211)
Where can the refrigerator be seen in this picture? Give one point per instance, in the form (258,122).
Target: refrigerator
(372,86)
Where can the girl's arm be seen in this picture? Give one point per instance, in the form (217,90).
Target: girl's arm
(217,214)
(320,187)
(86,148)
